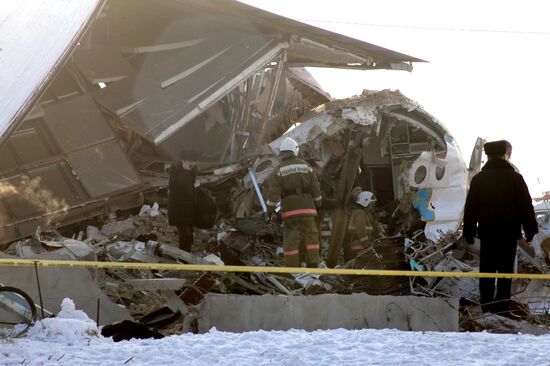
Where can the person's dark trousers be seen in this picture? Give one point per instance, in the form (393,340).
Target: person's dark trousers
(496,255)
(185,233)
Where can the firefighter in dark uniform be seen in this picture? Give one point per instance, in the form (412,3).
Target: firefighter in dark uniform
(294,182)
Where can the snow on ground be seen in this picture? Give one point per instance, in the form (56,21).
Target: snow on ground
(71,339)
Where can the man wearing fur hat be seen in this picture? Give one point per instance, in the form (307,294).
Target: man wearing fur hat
(181,198)
(498,207)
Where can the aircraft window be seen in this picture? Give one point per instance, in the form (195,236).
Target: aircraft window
(439,173)
(420,174)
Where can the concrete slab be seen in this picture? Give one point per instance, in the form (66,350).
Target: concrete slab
(58,283)
(243,313)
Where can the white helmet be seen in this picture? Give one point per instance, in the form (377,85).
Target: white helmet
(290,145)
(365,198)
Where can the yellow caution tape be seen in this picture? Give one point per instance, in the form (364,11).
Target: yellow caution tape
(215,268)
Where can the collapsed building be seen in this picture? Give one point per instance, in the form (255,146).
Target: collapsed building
(120,89)
(111,99)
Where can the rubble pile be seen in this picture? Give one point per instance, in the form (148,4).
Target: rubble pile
(167,300)
(380,141)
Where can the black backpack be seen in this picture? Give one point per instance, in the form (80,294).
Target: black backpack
(205,210)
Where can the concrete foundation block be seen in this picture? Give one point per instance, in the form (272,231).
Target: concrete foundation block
(243,313)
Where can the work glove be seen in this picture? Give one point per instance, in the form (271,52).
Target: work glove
(270,216)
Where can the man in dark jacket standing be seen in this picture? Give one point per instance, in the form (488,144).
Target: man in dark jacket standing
(181,201)
(497,207)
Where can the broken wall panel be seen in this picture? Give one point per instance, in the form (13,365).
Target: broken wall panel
(198,90)
(8,161)
(41,190)
(124,95)
(63,86)
(16,202)
(198,137)
(61,182)
(77,123)
(102,64)
(159,108)
(151,27)
(21,141)
(103,168)
(214,61)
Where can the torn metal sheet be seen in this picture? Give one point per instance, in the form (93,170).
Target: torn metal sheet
(467,288)
(476,159)
(333,117)
(302,75)
(208,50)
(314,46)
(536,296)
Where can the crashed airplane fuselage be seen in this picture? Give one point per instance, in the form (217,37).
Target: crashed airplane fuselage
(406,155)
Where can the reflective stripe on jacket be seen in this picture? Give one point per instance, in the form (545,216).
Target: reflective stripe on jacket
(294,182)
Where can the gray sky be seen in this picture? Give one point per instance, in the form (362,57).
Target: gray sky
(487,77)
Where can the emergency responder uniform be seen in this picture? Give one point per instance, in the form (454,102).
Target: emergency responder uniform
(360,226)
(294,182)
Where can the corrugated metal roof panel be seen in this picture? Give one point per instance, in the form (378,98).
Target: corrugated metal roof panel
(35,37)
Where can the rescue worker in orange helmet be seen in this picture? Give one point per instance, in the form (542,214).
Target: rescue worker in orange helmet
(294,182)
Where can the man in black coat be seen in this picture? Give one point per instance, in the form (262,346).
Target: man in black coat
(181,201)
(497,207)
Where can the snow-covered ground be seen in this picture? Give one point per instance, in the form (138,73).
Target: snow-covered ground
(71,339)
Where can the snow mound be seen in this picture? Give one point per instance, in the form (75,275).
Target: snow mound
(69,325)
